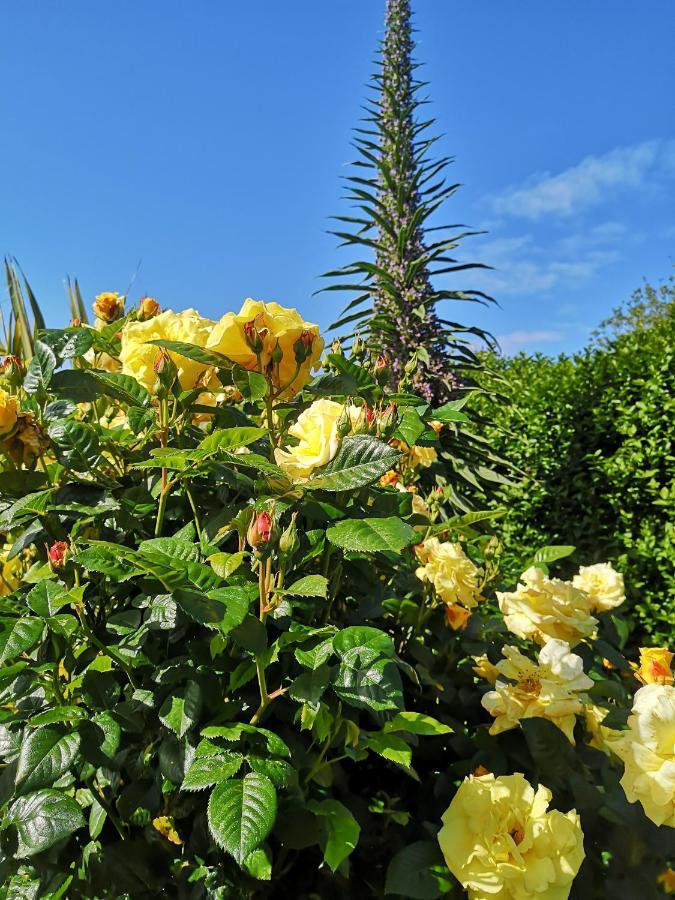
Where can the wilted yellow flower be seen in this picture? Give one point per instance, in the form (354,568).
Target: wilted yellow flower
(667,880)
(452,574)
(456,616)
(109,306)
(390,478)
(251,336)
(8,411)
(485,669)
(147,308)
(550,689)
(166,826)
(27,442)
(654,666)
(541,608)
(138,357)
(647,749)
(317,432)
(603,584)
(422,457)
(500,840)
(602,737)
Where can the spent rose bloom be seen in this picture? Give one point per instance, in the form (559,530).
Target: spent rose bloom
(603,584)
(654,666)
(447,567)
(541,608)
(550,689)
(317,432)
(261,328)
(8,411)
(647,749)
(500,840)
(138,356)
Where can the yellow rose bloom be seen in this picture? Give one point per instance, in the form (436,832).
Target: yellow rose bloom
(541,608)
(647,749)
(450,571)
(654,666)
(501,842)
(551,689)
(261,327)
(602,737)
(8,412)
(317,432)
(138,357)
(422,457)
(109,306)
(603,584)
(485,669)
(10,572)
(456,616)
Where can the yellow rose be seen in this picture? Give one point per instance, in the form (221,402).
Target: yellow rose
(501,842)
(138,357)
(550,690)
(422,457)
(654,666)
(147,308)
(109,306)
(317,432)
(450,571)
(27,442)
(485,669)
(541,608)
(251,337)
(647,749)
(456,616)
(8,412)
(603,584)
(602,737)
(10,572)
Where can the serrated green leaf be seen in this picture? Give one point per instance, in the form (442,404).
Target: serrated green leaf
(18,636)
(181,711)
(343,830)
(416,723)
(309,586)
(41,368)
(390,747)
(360,460)
(46,754)
(370,535)
(193,352)
(241,813)
(409,873)
(42,819)
(211,769)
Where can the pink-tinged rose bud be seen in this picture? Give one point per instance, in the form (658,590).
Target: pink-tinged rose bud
(369,415)
(382,370)
(255,333)
(76,323)
(303,346)
(58,553)
(260,530)
(162,360)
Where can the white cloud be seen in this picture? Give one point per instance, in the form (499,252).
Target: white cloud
(521,340)
(589,183)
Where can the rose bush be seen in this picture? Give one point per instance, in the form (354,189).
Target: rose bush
(248,648)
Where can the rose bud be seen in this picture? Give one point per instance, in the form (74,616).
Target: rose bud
(303,346)
(336,348)
(165,369)
(289,543)
(344,423)
(58,553)
(259,532)
(13,370)
(255,334)
(382,370)
(109,307)
(76,323)
(388,419)
(148,307)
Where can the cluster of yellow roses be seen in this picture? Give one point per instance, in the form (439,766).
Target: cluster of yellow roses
(453,577)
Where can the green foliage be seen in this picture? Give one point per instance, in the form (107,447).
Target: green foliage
(594,437)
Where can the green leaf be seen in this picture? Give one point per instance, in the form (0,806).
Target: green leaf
(29,506)
(47,598)
(229,439)
(41,368)
(309,586)
(343,830)
(253,385)
(42,819)
(46,754)
(120,387)
(363,641)
(225,564)
(410,427)
(108,559)
(206,771)
(360,460)
(259,864)
(375,686)
(18,636)
(236,600)
(416,723)
(77,442)
(241,813)
(181,710)
(371,535)
(449,413)
(390,747)
(409,872)
(551,554)
(198,354)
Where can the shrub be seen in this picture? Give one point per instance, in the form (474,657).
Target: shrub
(594,436)
(244,651)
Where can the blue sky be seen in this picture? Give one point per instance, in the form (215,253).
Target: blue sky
(195,149)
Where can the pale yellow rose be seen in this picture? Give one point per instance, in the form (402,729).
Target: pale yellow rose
(552,689)
(317,432)
(647,749)
(603,584)
(541,608)
(422,457)
(138,357)
(447,567)
(602,737)
(10,572)
(654,666)
(8,411)
(249,338)
(485,669)
(501,842)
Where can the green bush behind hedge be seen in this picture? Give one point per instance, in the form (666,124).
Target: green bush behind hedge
(594,435)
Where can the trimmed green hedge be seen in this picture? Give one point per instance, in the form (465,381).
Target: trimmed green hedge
(595,436)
